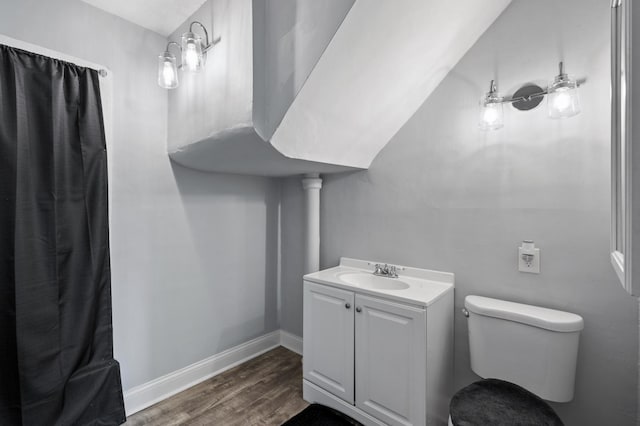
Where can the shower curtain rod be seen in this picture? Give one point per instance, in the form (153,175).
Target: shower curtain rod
(40,50)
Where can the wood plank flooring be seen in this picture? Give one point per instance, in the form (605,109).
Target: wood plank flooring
(266,390)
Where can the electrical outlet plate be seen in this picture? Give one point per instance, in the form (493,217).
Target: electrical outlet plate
(532,267)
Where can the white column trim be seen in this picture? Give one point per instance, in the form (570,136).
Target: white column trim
(311,183)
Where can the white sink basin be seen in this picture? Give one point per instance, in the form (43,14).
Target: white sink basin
(416,286)
(370,281)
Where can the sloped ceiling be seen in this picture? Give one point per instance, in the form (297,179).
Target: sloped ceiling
(384,61)
(222,119)
(160,16)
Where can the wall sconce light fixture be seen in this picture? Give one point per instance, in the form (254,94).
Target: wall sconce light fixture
(168,69)
(562,100)
(491,113)
(193,57)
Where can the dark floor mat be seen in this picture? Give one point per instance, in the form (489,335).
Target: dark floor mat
(319,415)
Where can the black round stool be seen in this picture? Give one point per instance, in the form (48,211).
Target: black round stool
(493,402)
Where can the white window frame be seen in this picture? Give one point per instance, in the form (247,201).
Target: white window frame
(624,99)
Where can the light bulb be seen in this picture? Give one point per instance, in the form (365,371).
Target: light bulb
(491,109)
(562,97)
(191,57)
(562,101)
(167,71)
(168,75)
(491,114)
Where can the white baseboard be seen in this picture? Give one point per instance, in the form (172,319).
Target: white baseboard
(291,342)
(147,394)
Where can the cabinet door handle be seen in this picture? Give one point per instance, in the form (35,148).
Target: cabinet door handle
(358,309)
(347,305)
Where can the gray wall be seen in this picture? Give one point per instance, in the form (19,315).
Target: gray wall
(292,255)
(442,195)
(193,255)
(446,196)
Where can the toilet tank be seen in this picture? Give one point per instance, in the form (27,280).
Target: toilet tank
(534,347)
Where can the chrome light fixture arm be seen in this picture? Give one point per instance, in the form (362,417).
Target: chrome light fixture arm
(171,43)
(526,98)
(208,45)
(561,77)
(167,52)
(492,95)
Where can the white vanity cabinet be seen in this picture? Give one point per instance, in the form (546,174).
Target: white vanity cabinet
(378,358)
(390,348)
(328,353)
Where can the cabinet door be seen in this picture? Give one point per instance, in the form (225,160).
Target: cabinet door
(328,339)
(391,361)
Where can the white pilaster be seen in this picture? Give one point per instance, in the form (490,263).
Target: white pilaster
(311,183)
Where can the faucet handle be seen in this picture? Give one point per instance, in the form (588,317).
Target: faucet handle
(393,273)
(378,269)
(393,270)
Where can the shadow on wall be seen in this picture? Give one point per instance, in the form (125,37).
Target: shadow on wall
(233,221)
(292,232)
(289,38)
(274,63)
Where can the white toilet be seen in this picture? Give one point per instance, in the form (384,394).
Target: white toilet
(525,354)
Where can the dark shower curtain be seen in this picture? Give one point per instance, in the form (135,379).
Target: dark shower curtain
(56,343)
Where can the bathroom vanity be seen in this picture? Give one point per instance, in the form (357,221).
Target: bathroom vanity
(376,348)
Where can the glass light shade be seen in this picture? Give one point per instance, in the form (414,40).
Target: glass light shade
(167,71)
(563,100)
(491,113)
(192,58)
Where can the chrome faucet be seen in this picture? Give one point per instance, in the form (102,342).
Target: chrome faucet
(379,269)
(388,271)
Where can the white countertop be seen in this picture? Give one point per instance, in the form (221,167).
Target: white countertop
(425,286)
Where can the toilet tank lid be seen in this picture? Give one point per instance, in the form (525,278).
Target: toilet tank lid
(536,316)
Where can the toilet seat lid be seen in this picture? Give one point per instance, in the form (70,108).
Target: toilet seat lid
(500,403)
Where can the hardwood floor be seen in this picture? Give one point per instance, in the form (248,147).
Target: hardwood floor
(264,391)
